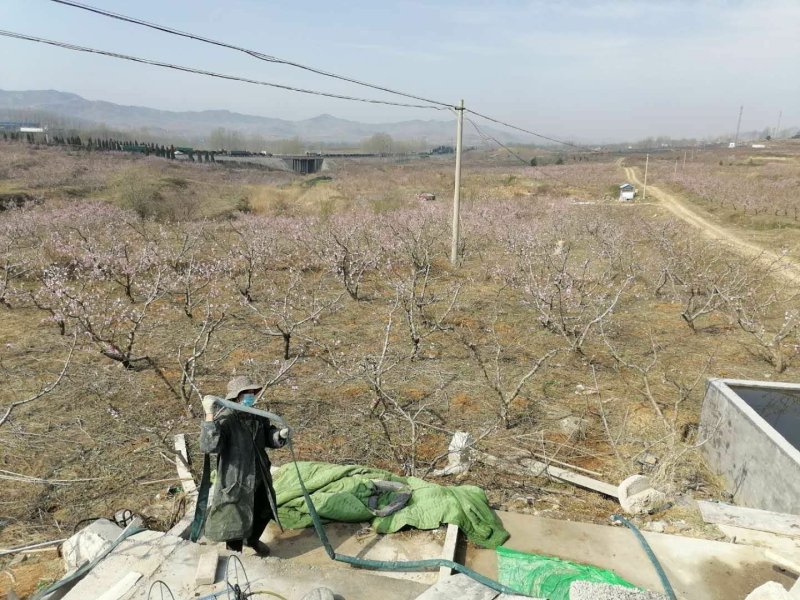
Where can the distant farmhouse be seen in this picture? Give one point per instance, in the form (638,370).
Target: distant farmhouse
(627,192)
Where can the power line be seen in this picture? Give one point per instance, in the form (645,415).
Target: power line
(156,63)
(274,59)
(498,142)
(253,53)
(539,135)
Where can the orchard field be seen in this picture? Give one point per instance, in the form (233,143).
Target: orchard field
(575,329)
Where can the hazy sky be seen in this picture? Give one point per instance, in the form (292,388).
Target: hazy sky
(599,70)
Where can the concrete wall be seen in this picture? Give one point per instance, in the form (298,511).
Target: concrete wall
(761,468)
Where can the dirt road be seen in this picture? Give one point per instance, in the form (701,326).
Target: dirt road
(715,232)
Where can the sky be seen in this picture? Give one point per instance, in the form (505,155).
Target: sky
(604,70)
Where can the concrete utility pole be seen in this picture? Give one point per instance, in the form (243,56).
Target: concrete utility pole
(646,162)
(675,174)
(738,126)
(457,191)
(684,160)
(778,126)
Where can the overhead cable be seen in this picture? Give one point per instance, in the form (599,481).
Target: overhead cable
(539,135)
(253,53)
(157,63)
(486,136)
(276,60)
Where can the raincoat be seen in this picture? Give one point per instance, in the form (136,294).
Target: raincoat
(239,440)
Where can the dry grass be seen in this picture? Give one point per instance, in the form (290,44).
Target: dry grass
(114,424)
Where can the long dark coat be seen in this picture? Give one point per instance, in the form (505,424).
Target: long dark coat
(239,440)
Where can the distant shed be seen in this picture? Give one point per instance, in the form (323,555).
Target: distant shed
(627,192)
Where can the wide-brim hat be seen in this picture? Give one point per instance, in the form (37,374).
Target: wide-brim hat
(239,384)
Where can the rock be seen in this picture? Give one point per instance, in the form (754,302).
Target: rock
(573,426)
(586,590)
(644,503)
(634,485)
(322,593)
(656,526)
(637,497)
(89,543)
(772,590)
(459,456)
(648,460)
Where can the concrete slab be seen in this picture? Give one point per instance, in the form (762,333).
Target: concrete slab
(458,587)
(354,539)
(449,550)
(784,545)
(159,556)
(119,589)
(89,543)
(750,518)
(698,569)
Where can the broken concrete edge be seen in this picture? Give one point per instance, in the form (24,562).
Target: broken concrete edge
(182,527)
(720,513)
(182,464)
(88,543)
(638,497)
(449,549)
(787,564)
(540,469)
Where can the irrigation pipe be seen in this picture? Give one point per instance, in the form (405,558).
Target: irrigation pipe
(650,554)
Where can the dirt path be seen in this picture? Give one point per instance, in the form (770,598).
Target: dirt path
(716,232)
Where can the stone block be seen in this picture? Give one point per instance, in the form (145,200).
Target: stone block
(89,543)
(772,590)
(206,568)
(637,497)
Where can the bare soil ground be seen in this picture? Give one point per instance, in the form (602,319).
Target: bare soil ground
(547,251)
(691,215)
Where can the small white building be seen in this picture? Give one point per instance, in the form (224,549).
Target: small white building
(626,192)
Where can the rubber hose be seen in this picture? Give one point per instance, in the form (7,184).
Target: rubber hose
(650,554)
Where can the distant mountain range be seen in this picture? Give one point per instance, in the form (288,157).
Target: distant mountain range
(199,124)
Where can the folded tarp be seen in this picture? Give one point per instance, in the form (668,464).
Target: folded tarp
(548,576)
(342,493)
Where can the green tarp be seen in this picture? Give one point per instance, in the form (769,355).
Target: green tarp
(342,492)
(547,576)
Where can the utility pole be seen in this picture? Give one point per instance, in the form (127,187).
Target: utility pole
(778,126)
(675,174)
(738,125)
(646,162)
(684,160)
(457,191)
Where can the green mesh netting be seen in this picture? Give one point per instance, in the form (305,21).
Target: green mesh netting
(546,576)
